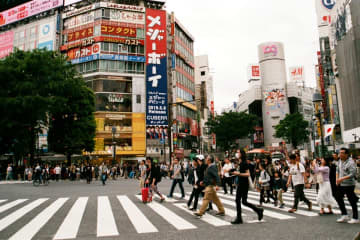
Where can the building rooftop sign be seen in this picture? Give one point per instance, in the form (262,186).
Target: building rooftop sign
(27,10)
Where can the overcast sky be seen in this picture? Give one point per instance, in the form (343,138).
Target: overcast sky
(229,31)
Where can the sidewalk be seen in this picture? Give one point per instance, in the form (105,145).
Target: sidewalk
(14,182)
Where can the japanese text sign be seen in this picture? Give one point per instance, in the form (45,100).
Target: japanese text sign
(6,43)
(84,33)
(118,31)
(27,10)
(156,68)
(84,51)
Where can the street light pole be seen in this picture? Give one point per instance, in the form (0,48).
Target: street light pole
(317,98)
(113,131)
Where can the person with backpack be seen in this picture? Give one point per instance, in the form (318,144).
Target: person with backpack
(264,181)
(153,177)
(178,178)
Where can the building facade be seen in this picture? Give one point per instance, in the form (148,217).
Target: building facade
(137,58)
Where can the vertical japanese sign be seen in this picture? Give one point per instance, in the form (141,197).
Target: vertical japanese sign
(156,69)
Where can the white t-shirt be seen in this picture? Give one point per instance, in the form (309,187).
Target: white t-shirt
(57,170)
(227,166)
(296,174)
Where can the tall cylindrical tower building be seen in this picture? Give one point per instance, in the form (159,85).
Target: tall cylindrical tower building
(275,103)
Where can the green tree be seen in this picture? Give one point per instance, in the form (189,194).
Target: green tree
(293,128)
(228,127)
(35,86)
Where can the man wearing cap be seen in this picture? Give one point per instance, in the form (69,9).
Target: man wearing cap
(211,182)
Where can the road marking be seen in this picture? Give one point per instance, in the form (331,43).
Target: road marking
(30,229)
(212,220)
(3,200)
(254,200)
(106,225)
(172,218)
(13,217)
(9,205)
(70,226)
(266,212)
(228,211)
(137,218)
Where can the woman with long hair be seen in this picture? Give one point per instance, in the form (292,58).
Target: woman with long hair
(324,198)
(243,174)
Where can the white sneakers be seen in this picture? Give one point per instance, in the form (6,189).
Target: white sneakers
(354,221)
(345,218)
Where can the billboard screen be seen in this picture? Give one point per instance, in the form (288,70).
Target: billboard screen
(156,68)
(6,43)
(27,10)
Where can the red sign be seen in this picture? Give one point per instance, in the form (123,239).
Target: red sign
(84,51)
(118,31)
(255,71)
(84,33)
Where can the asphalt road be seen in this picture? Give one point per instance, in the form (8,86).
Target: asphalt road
(93,211)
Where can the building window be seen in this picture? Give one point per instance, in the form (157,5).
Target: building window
(138,99)
(203,73)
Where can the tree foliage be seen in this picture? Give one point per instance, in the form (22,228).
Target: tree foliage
(36,86)
(293,128)
(228,127)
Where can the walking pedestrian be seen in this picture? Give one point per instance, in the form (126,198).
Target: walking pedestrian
(297,177)
(153,177)
(142,170)
(264,181)
(9,173)
(211,182)
(345,180)
(228,180)
(243,174)
(279,187)
(103,170)
(177,178)
(57,172)
(324,198)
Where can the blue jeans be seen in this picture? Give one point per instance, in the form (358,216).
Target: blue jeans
(177,181)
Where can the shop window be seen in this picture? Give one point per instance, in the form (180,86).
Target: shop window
(105,46)
(140,33)
(106,13)
(113,102)
(138,99)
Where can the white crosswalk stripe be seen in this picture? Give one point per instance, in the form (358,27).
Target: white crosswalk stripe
(3,200)
(30,229)
(106,225)
(9,205)
(267,213)
(212,220)
(70,226)
(178,222)
(140,222)
(13,217)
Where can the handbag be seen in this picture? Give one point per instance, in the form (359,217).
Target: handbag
(319,178)
(251,184)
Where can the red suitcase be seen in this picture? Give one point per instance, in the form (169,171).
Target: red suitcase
(146,196)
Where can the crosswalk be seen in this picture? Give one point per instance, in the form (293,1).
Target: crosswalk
(112,215)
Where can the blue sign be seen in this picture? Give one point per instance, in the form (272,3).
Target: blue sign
(48,45)
(46,29)
(173,61)
(329,4)
(122,58)
(156,94)
(85,59)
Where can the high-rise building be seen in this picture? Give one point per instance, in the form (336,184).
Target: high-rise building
(136,57)
(205,102)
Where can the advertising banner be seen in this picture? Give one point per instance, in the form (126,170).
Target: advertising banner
(156,68)
(84,33)
(6,43)
(46,36)
(27,10)
(296,74)
(79,20)
(254,71)
(122,7)
(118,31)
(84,51)
(126,16)
(68,2)
(49,45)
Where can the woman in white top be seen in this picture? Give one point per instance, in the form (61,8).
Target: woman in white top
(324,198)
(228,180)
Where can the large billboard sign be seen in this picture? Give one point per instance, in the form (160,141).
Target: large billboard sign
(6,43)
(254,71)
(156,68)
(27,10)
(296,74)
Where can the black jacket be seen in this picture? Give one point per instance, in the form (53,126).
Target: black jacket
(153,173)
(200,171)
(211,176)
